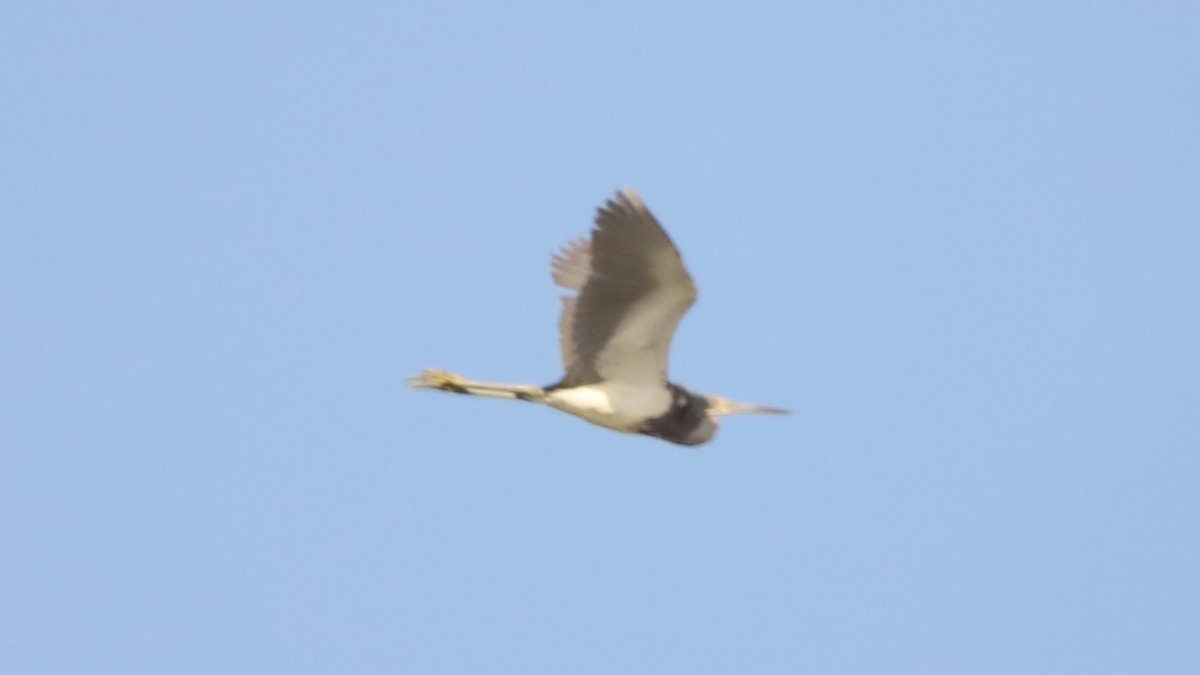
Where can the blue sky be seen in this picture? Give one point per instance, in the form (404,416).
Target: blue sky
(959,240)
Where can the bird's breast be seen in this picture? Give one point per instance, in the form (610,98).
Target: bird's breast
(610,405)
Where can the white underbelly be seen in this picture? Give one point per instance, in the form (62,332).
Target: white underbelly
(622,408)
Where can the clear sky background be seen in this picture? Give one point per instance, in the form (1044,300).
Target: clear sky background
(960,240)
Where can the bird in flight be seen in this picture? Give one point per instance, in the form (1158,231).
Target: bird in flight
(631,291)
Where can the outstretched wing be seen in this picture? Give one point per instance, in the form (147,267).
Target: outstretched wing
(633,291)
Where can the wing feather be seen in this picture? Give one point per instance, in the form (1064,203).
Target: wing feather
(633,292)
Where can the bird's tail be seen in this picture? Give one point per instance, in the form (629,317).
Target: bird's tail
(456,384)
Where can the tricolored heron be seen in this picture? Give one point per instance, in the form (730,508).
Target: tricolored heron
(633,289)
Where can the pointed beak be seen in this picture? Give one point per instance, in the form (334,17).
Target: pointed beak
(723,406)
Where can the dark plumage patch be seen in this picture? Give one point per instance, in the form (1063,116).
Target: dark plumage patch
(685,422)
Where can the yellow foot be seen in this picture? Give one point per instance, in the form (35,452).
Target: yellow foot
(438,379)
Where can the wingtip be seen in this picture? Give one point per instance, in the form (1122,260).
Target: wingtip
(626,199)
(630,195)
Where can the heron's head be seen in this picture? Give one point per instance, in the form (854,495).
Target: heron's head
(694,418)
(700,431)
(705,425)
